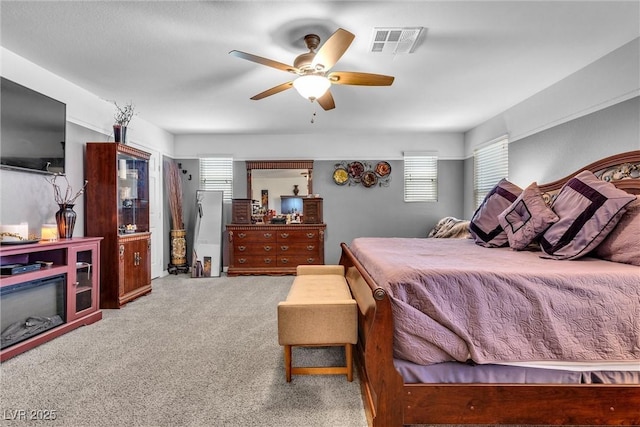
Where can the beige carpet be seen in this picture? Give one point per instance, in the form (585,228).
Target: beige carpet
(194,352)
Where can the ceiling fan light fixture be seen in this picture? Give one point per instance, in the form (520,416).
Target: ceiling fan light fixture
(311,86)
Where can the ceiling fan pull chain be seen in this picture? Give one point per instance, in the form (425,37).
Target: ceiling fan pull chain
(313,117)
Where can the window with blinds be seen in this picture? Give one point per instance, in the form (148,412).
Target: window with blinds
(490,165)
(420,177)
(216,173)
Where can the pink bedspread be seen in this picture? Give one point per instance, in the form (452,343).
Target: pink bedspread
(455,300)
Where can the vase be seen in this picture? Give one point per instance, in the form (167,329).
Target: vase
(120,134)
(179,247)
(66,220)
(296,190)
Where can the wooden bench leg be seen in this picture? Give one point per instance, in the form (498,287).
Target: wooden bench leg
(348,353)
(287,362)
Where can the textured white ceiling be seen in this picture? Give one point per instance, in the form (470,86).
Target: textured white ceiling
(475,59)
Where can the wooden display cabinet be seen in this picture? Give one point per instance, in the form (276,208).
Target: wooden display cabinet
(117,208)
(63,294)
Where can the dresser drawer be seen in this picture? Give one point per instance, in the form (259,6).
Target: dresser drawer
(247,248)
(298,236)
(243,236)
(254,261)
(295,260)
(296,248)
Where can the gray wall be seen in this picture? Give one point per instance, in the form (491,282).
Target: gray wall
(356,211)
(28,197)
(559,151)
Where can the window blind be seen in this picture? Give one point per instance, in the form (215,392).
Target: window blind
(216,173)
(420,178)
(490,165)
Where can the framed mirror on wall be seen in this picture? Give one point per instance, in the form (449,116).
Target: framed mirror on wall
(272,183)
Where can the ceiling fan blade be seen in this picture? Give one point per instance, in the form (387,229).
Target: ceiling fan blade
(360,79)
(331,51)
(326,101)
(273,91)
(264,61)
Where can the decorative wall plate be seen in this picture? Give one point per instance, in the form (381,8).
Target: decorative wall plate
(369,179)
(383,169)
(356,169)
(340,176)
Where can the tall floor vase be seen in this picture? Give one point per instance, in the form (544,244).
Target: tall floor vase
(66,220)
(178,252)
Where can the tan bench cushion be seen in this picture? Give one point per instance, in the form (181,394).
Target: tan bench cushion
(319,309)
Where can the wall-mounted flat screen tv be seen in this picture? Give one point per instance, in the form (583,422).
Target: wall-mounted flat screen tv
(32,133)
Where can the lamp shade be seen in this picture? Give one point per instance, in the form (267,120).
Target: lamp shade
(311,86)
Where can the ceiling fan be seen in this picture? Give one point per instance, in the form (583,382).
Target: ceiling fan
(313,70)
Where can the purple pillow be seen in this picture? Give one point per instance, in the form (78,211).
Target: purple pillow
(526,218)
(623,243)
(484,227)
(589,209)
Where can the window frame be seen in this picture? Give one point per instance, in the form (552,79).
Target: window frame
(211,179)
(420,177)
(490,165)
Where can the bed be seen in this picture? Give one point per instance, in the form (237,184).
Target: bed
(445,365)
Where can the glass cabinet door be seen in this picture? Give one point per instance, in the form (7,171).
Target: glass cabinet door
(84,288)
(133,194)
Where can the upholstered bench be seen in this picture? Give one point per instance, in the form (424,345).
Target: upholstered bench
(318,311)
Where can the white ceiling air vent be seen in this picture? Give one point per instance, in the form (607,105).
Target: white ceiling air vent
(395,40)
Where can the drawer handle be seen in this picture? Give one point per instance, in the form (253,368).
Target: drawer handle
(242,260)
(310,260)
(242,235)
(311,235)
(267,248)
(268,235)
(267,260)
(310,247)
(284,235)
(284,248)
(242,248)
(284,260)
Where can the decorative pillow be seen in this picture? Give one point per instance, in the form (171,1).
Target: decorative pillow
(484,227)
(623,243)
(526,218)
(589,209)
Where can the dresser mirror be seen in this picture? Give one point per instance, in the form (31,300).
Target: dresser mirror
(269,181)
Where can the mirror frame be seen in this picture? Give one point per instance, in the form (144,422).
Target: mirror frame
(279,164)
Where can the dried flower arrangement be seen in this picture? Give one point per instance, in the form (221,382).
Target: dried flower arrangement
(124,114)
(174,183)
(65,198)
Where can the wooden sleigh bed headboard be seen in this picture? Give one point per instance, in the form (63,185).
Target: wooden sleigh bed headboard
(390,402)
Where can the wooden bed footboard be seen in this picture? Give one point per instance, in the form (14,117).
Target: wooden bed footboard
(390,402)
(380,383)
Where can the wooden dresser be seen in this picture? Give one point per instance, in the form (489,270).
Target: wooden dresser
(274,249)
